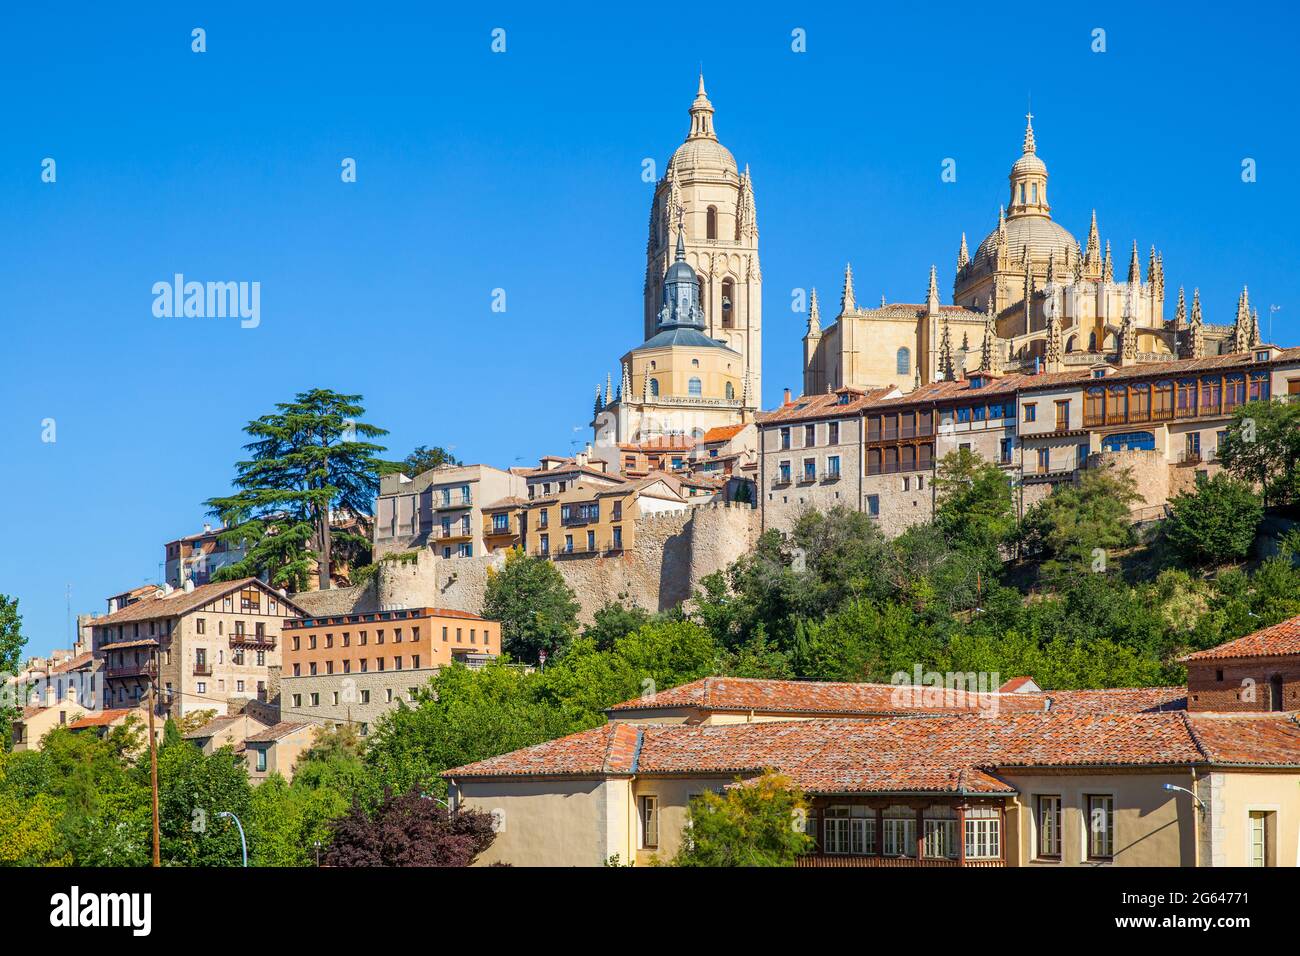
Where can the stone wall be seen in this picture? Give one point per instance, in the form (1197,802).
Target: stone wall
(670,554)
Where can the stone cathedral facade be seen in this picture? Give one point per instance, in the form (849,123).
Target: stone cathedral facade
(1030,298)
(699,366)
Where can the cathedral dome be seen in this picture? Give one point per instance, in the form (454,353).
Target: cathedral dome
(1043,237)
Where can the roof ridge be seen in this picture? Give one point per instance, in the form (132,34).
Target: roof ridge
(1195,737)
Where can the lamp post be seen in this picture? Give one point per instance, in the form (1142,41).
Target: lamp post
(1200,805)
(243,843)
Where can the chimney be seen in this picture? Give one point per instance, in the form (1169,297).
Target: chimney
(786,400)
(207,528)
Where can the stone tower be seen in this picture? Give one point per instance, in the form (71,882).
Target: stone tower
(713,201)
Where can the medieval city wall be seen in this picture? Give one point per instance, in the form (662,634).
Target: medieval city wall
(670,554)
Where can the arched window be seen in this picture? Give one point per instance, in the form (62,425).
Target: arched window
(654,386)
(1092,341)
(711,223)
(1022,194)
(731,391)
(1033,192)
(1070,343)
(904,360)
(693,387)
(728,297)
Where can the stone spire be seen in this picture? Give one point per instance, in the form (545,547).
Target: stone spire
(1134,269)
(988,358)
(932,294)
(1151,267)
(746,212)
(1128,346)
(1078,263)
(1094,246)
(1241,327)
(1107,265)
(1029,146)
(702,115)
(1196,330)
(645,388)
(963,255)
(1254,328)
(1052,347)
(1051,267)
(814,315)
(609,389)
(847,302)
(1029,292)
(596,411)
(945,352)
(625,389)
(1180,312)
(1160,276)
(746,390)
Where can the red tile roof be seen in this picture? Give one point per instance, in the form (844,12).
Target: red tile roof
(825,405)
(776,697)
(949,753)
(721,433)
(102,719)
(181,602)
(1276,641)
(276,731)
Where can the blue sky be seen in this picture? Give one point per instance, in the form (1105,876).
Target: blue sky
(522,171)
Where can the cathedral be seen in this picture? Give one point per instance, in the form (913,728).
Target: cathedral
(699,365)
(1031,298)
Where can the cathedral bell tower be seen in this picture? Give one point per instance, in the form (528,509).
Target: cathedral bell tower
(704,200)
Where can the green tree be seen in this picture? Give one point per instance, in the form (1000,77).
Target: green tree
(421,460)
(752,824)
(12,643)
(975,507)
(307,462)
(613,620)
(193,788)
(1263,447)
(1077,520)
(1214,523)
(537,610)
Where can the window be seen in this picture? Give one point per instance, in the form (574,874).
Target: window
(618,538)
(833,433)
(963,414)
(730,391)
(810,469)
(940,833)
(711,223)
(200,626)
(873,505)
(1031,412)
(833,466)
(1261,838)
(983,833)
(654,387)
(1063,415)
(1004,451)
(694,387)
(1044,460)
(785,438)
(903,361)
(261,760)
(899,832)
(849,830)
(809,436)
(648,814)
(365,695)
(315,700)
(1047,814)
(1101,826)
(783,476)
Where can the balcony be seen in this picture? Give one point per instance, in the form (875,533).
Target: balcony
(579,519)
(127,670)
(831,476)
(452,501)
(495,531)
(909,862)
(450,534)
(258,642)
(202,670)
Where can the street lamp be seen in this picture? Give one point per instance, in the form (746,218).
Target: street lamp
(1171,788)
(243,843)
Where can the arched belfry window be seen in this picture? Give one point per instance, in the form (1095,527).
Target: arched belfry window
(1033,192)
(904,359)
(654,387)
(711,223)
(694,387)
(728,300)
(731,391)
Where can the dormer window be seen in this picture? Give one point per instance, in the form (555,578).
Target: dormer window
(1261,355)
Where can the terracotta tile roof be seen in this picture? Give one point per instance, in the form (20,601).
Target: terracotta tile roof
(102,719)
(510,501)
(1279,640)
(273,733)
(76,663)
(950,753)
(1013,685)
(777,697)
(373,617)
(826,405)
(721,433)
(181,602)
(127,645)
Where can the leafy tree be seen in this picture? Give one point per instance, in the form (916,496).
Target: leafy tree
(1216,522)
(421,460)
(750,824)
(12,643)
(193,787)
(1263,447)
(335,743)
(287,822)
(975,507)
(1077,519)
(409,829)
(613,620)
(866,641)
(307,463)
(537,610)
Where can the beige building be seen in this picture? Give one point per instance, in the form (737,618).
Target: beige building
(228,731)
(590,520)
(277,749)
(216,646)
(902,775)
(1030,297)
(441,509)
